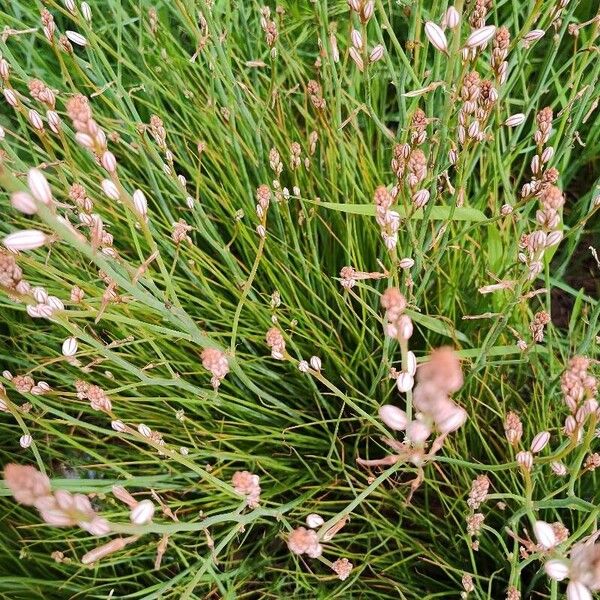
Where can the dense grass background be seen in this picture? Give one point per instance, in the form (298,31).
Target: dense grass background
(301,434)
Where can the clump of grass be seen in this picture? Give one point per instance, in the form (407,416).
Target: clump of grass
(235,239)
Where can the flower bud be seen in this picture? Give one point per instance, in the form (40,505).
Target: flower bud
(142,513)
(436,36)
(35,119)
(356,38)
(481,36)
(110,189)
(313,520)
(539,442)
(11,97)
(417,432)
(69,347)
(86,11)
(24,203)
(558,468)
(533,35)
(544,534)
(377,53)
(38,185)
(76,38)
(303,366)
(393,417)
(118,426)
(53,120)
(405,327)
(406,263)
(452,17)
(367,11)
(557,569)
(26,239)
(578,591)
(25,441)
(140,203)
(144,430)
(525,459)
(315,363)
(109,162)
(405,382)
(450,420)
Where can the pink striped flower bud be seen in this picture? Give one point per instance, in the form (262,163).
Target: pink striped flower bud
(86,11)
(558,468)
(356,38)
(539,442)
(26,239)
(110,189)
(405,327)
(393,417)
(142,513)
(140,203)
(38,185)
(525,459)
(24,203)
(452,17)
(377,53)
(35,119)
(11,97)
(481,36)
(405,382)
(544,534)
(69,346)
(436,36)
(76,38)
(109,162)
(53,121)
(417,432)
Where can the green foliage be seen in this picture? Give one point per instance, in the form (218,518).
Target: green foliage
(210,77)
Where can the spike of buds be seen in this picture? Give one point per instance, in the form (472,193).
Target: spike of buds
(436,36)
